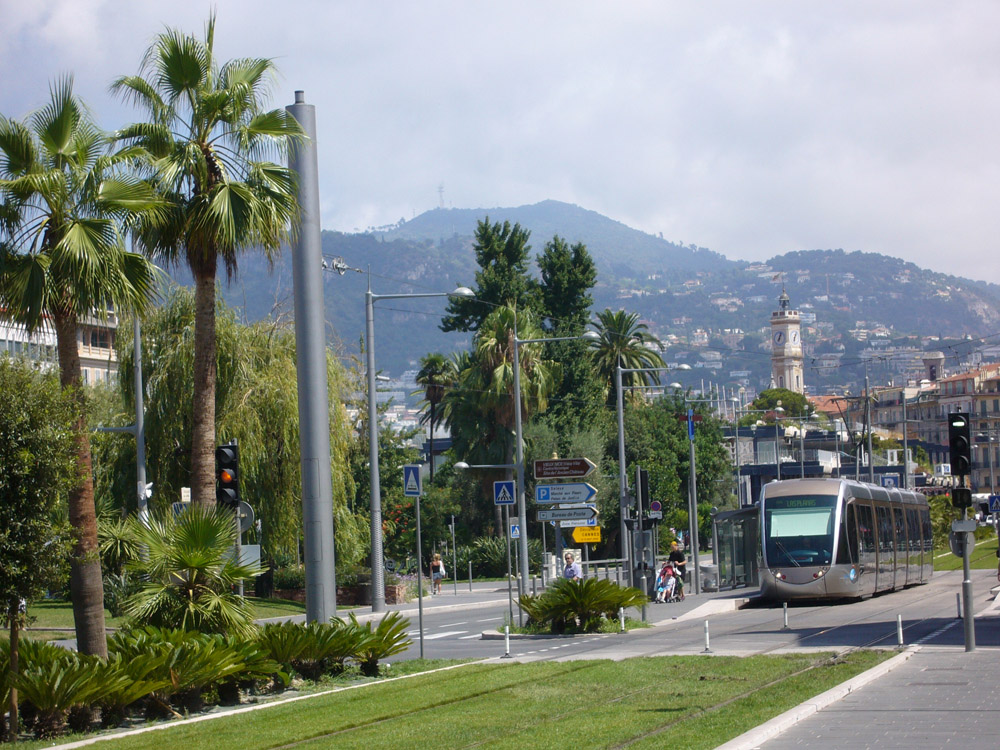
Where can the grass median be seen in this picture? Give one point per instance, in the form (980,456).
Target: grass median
(683,702)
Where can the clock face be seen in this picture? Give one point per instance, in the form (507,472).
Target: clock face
(779,337)
(794,337)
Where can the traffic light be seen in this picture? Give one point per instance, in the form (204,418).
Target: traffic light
(642,488)
(961,497)
(960,443)
(227,475)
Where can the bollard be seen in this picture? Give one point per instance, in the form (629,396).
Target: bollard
(506,642)
(784,608)
(621,619)
(707,649)
(534,589)
(958,605)
(470,576)
(899,630)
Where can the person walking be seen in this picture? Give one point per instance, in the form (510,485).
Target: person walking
(572,570)
(437,574)
(676,557)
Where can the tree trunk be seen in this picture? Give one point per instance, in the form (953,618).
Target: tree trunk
(86,586)
(203,401)
(432,442)
(12,727)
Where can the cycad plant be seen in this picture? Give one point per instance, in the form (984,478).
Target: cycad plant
(374,644)
(190,571)
(579,605)
(55,687)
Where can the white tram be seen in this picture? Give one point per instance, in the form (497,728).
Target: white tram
(837,538)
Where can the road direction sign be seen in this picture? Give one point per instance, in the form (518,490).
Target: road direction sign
(563,468)
(412,486)
(503,492)
(587,534)
(567,514)
(571,492)
(577,523)
(994,503)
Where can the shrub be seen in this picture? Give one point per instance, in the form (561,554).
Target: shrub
(579,604)
(117,590)
(373,645)
(292,577)
(56,686)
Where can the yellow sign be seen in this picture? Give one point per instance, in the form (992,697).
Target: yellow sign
(587,534)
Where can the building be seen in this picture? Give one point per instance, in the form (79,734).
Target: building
(786,347)
(95,341)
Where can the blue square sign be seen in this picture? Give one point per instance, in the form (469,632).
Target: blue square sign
(411,480)
(503,492)
(994,503)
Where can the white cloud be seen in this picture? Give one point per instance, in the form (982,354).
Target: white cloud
(750,128)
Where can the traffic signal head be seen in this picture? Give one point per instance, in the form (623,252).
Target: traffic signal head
(960,444)
(961,497)
(227,475)
(642,489)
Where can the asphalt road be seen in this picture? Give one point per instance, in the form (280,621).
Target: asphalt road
(928,617)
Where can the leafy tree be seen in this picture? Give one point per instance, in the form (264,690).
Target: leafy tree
(63,205)
(794,404)
(626,341)
(257,405)
(207,137)
(37,454)
(502,252)
(437,372)
(568,276)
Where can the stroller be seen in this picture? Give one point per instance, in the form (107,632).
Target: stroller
(666,585)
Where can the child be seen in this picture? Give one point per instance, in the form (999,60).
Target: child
(437,574)
(665,583)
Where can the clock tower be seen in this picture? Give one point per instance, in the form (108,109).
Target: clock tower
(786,347)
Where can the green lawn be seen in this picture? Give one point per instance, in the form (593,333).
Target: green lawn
(983,557)
(676,702)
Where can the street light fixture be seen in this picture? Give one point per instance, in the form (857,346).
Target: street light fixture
(522,514)
(378,579)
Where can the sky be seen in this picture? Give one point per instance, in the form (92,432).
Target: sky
(750,128)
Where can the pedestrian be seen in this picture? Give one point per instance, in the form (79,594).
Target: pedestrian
(676,557)
(437,574)
(572,570)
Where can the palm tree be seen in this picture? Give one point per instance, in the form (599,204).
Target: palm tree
(190,573)
(63,206)
(626,341)
(208,136)
(437,372)
(481,413)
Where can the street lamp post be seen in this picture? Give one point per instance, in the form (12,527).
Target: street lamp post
(378,579)
(625,550)
(778,411)
(522,514)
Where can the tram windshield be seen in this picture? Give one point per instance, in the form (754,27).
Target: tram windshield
(799,530)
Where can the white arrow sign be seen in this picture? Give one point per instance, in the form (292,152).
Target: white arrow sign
(567,514)
(571,492)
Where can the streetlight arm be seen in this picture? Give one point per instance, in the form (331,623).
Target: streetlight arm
(462,291)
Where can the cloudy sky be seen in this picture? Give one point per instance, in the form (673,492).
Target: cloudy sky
(751,128)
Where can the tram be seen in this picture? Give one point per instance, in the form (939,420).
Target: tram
(837,538)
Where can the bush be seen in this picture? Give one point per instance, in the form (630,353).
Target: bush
(579,605)
(55,687)
(117,590)
(293,577)
(489,556)
(373,645)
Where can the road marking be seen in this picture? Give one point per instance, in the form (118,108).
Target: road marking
(467,637)
(454,624)
(490,619)
(445,634)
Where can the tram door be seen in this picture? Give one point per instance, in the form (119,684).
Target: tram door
(886,558)
(899,522)
(860,516)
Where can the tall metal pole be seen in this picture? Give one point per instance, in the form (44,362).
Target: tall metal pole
(777,449)
(310,347)
(693,509)
(522,511)
(140,429)
(625,551)
(375,486)
(868,429)
(420,578)
(906,444)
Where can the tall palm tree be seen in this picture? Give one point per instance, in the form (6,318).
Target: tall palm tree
(63,206)
(208,137)
(437,372)
(627,341)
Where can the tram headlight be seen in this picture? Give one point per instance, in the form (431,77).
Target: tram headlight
(778,575)
(819,573)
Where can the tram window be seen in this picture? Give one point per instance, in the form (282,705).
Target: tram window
(798,530)
(884,528)
(900,523)
(866,535)
(847,548)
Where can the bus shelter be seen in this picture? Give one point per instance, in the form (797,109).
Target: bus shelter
(736,537)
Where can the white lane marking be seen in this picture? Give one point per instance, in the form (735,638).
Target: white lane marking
(467,637)
(445,634)
(490,619)
(454,624)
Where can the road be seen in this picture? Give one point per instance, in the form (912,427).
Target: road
(928,616)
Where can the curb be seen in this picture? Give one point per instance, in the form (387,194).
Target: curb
(781,723)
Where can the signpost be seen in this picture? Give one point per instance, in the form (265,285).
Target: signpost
(503,492)
(655,510)
(515,531)
(994,501)
(567,514)
(563,468)
(413,487)
(571,492)
(587,534)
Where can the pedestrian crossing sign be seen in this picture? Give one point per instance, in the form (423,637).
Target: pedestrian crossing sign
(503,492)
(515,531)
(411,480)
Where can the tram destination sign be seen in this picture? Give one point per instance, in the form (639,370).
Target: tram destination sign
(563,468)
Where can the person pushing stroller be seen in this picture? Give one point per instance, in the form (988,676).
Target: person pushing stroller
(666,583)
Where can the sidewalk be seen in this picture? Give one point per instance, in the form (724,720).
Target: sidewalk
(930,696)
